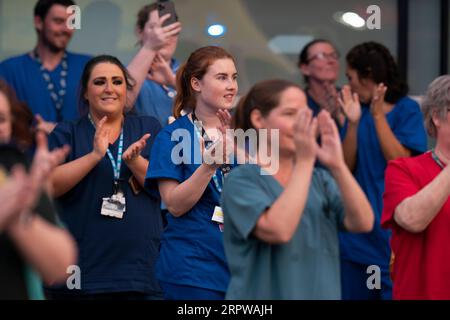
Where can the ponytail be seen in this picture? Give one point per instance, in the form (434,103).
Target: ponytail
(240,119)
(184,98)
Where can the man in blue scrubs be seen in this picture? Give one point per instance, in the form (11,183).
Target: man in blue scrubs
(47,77)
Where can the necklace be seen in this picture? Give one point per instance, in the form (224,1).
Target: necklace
(436,159)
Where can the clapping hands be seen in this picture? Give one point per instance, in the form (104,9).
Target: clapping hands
(306,130)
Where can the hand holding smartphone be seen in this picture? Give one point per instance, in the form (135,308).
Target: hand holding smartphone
(165,7)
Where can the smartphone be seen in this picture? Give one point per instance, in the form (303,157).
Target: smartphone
(165,7)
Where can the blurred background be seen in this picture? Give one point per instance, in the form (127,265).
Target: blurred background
(265,36)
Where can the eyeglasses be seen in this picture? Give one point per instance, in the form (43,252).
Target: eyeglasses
(325,56)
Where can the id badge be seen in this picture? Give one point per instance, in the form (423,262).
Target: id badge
(218,215)
(114,206)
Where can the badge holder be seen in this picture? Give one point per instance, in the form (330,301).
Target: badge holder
(114,206)
(218,217)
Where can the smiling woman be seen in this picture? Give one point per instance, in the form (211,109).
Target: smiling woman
(192,260)
(116,225)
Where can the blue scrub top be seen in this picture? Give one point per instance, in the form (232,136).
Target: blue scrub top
(23,74)
(155,100)
(312,104)
(406,122)
(192,250)
(115,255)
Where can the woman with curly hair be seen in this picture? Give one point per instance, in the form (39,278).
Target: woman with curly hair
(382,124)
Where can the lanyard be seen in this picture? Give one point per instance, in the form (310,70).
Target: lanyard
(170,92)
(115,164)
(57,97)
(436,159)
(207,140)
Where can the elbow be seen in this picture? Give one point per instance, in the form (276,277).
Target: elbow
(369,223)
(275,238)
(54,187)
(273,233)
(282,238)
(406,221)
(367,226)
(363,224)
(174,211)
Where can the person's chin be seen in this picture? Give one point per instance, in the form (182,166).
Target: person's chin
(229,104)
(58,46)
(109,110)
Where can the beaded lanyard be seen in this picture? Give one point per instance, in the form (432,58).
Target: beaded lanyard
(57,97)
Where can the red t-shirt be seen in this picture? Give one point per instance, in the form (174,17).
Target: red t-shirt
(422,260)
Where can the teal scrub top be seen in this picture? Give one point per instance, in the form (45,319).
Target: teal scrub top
(307,267)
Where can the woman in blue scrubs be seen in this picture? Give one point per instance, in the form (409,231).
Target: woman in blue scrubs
(192,261)
(115,222)
(389,125)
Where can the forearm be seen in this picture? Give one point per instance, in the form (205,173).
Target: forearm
(50,250)
(279,223)
(415,213)
(138,69)
(350,145)
(390,146)
(68,175)
(359,216)
(139,169)
(184,196)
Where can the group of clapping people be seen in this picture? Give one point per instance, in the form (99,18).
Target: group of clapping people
(355,185)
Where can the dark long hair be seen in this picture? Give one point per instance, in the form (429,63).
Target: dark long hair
(83,105)
(373,61)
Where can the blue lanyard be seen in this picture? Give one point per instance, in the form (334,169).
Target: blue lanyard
(115,164)
(57,97)
(199,136)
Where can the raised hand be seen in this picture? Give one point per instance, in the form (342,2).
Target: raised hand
(42,125)
(350,105)
(225,120)
(329,152)
(221,149)
(305,135)
(161,72)
(134,151)
(377,103)
(330,102)
(45,161)
(101,139)
(154,36)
